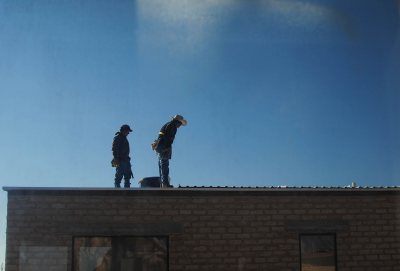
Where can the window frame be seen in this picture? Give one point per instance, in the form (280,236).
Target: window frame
(333,234)
(118,236)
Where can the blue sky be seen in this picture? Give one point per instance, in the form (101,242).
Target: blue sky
(276,92)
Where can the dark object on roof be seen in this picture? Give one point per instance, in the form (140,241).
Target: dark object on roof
(150,182)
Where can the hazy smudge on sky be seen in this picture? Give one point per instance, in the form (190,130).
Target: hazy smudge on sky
(309,16)
(299,18)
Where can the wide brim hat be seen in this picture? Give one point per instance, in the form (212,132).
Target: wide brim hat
(180,119)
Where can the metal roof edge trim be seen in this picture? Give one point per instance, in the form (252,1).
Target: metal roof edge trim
(208,189)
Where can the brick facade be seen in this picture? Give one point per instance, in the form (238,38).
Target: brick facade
(208,229)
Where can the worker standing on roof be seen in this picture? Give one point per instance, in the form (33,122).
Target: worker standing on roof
(163,146)
(121,160)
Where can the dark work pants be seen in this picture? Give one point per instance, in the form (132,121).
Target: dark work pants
(163,166)
(123,170)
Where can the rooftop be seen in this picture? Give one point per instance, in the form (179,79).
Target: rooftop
(180,187)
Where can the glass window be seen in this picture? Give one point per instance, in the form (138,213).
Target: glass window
(120,253)
(318,252)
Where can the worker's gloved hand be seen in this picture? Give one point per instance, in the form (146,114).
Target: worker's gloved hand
(114,162)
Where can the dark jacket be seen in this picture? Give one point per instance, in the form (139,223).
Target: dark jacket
(166,137)
(120,147)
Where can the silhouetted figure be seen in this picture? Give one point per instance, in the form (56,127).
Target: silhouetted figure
(121,160)
(163,146)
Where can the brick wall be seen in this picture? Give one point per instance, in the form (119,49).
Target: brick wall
(209,229)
